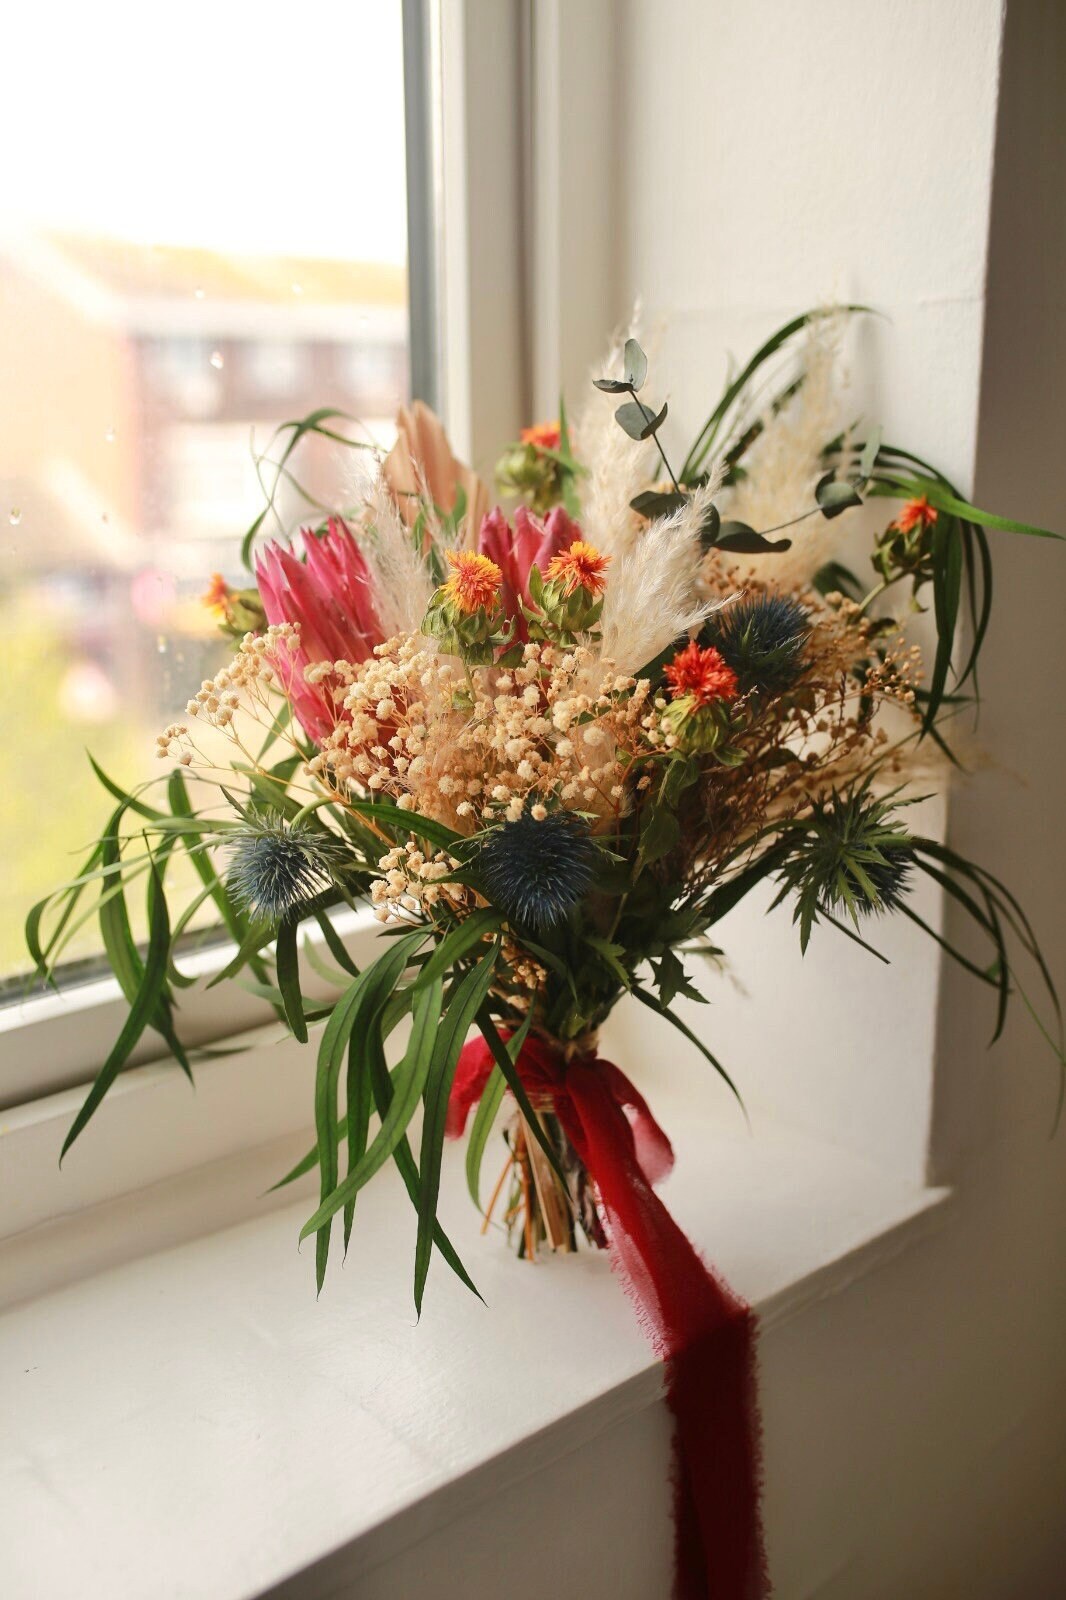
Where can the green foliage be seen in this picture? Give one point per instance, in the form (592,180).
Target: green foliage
(851,856)
(487,1111)
(450,1029)
(738,387)
(638,908)
(639,421)
(287,437)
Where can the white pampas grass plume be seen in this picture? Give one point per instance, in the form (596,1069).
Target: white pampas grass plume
(785,463)
(652,595)
(403,584)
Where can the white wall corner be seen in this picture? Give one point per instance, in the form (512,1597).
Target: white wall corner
(574,233)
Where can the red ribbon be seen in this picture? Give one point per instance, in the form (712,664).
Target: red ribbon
(704,1332)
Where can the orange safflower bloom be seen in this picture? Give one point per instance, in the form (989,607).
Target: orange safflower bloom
(579,567)
(216,597)
(701,673)
(544,435)
(475,580)
(915,512)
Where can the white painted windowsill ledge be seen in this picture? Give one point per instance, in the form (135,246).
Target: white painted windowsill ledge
(182,1419)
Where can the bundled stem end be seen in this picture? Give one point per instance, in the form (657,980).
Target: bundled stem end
(540,1209)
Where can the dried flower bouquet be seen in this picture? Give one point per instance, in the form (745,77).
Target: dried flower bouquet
(553,751)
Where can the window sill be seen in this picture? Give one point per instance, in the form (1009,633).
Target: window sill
(199,1399)
(57,1040)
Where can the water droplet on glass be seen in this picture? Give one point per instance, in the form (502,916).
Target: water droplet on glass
(104,517)
(297,288)
(109,436)
(217,360)
(14,516)
(161,645)
(199,293)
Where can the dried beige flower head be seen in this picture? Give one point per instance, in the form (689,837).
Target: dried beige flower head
(470,747)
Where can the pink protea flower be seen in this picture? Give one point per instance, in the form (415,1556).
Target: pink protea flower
(529,543)
(330,596)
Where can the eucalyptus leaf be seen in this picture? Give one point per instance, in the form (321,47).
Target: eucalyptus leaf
(869,453)
(654,503)
(835,495)
(638,421)
(635,363)
(743,540)
(711,528)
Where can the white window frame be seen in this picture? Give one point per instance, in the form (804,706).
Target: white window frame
(467,320)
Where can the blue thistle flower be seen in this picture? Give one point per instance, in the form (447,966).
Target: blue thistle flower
(536,872)
(763,637)
(277,867)
(855,857)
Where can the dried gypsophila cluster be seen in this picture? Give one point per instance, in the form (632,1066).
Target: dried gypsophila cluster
(252,672)
(170,745)
(525,975)
(411,884)
(472,748)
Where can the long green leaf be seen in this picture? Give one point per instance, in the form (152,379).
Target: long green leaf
(647,998)
(940,497)
(297,429)
(458,943)
(490,1034)
(487,1109)
(145,1004)
(404,823)
(336,944)
(359,1097)
(408,1170)
(118,941)
(235,921)
(257,936)
(127,798)
(363,999)
(450,1036)
(407,1085)
(288,968)
(705,438)
(947,587)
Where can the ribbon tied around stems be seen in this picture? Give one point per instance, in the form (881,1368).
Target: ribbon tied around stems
(703,1331)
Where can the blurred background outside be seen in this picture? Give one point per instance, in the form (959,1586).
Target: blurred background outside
(223,250)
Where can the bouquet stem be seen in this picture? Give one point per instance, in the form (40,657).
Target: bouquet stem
(543,1208)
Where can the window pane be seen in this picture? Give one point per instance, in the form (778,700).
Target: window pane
(204,234)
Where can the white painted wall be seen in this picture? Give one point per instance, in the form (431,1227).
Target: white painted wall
(776,154)
(774,158)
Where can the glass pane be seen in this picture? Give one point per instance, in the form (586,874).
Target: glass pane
(203,235)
